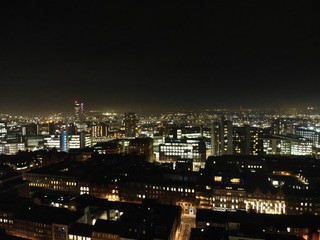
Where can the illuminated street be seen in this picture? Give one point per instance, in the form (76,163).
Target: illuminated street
(187,222)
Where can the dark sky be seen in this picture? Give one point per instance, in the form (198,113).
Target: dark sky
(158,55)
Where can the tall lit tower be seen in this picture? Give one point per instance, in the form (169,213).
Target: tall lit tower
(216,139)
(130,124)
(226,136)
(79,115)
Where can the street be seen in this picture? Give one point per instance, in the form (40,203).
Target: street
(187,222)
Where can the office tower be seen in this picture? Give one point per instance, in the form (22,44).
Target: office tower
(130,124)
(174,149)
(256,142)
(79,116)
(216,139)
(3,130)
(64,141)
(226,136)
(241,140)
(247,140)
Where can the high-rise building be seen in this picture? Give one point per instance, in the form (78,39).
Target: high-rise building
(79,115)
(130,124)
(216,139)
(3,130)
(226,136)
(241,140)
(247,140)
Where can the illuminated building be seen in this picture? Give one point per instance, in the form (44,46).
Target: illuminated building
(242,225)
(52,141)
(130,124)
(300,201)
(110,147)
(247,140)
(95,219)
(3,130)
(287,145)
(228,197)
(124,143)
(64,141)
(282,126)
(183,165)
(226,136)
(157,140)
(244,162)
(12,148)
(97,140)
(29,130)
(308,132)
(39,222)
(71,141)
(266,202)
(56,182)
(80,140)
(262,184)
(79,116)
(47,128)
(164,188)
(99,130)
(185,132)
(174,149)
(192,132)
(241,140)
(256,142)
(142,147)
(74,141)
(34,142)
(311,133)
(13,136)
(216,139)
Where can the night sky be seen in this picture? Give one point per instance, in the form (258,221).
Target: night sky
(158,55)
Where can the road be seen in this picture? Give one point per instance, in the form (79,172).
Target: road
(187,222)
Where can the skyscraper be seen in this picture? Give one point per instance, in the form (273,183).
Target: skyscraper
(130,124)
(79,115)
(226,136)
(216,139)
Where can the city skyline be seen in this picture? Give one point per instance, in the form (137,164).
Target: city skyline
(156,57)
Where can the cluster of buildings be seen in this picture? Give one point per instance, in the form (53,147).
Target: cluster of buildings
(272,185)
(128,178)
(172,138)
(106,195)
(83,218)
